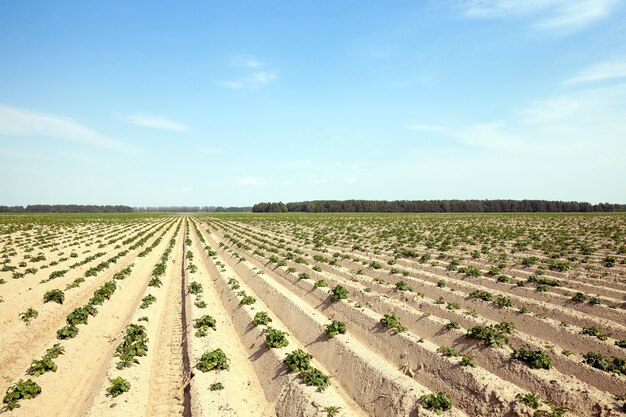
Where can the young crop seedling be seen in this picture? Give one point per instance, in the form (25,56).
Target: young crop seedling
(56,296)
(438,403)
(335,328)
(147,301)
(218,386)
(195,288)
(135,344)
(118,386)
(332,410)
(391,321)
(41,366)
(298,361)
(529,399)
(275,338)
(403,286)
(315,377)
(68,332)
(536,359)
(200,304)
(594,331)
(468,360)
(605,363)
(261,318)
(248,300)
(338,293)
(22,390)
(492,335)
(29,314)
(214,360)
(503,301)
(447,351)
(320,283)
(452,325)
(203,324)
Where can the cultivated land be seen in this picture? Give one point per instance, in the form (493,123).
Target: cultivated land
(313,315)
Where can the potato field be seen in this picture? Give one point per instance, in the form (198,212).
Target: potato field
(313,315)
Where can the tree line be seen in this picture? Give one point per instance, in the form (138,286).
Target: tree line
(436,206)
(79,208)
(66,208)
(192,209)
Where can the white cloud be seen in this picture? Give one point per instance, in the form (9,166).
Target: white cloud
(252,81)
(600,72)
(245,61)
(481,135)
(250,180)
(256,75)
(349,180)
(21,122)
(564,15)
(588,124)
(156,122)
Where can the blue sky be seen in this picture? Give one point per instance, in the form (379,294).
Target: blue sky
(231,103)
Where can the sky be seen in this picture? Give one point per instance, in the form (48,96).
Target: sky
(231,103)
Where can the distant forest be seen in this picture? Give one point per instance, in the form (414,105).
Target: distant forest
(65,208)
(190,209)
(436,206)
(77,208)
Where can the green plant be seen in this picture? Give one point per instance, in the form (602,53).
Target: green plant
(332,410)
(579,297)
(467,360)
(391,321)
(41,366)
(403,286)
(481,295)
(135,344)
(215,359)
(503,301)
(536,359)
(261,318)
(155,282)
(594,331)
(68,332)
(200,304)
(203,324)
(55,351)
(118,386)
(338,293)
(195,288)
(555,411)
(609,364)
(447,351)
(56,296)
(315,377)
(303,275)
(298,361)
(29,314)
(275,338)
(21,390)
(621,343)
(320,283)
(216,386)
(147,301)
(452,325)
(492,335)
(438,403)
(335,328)
(529,399)
(248,300)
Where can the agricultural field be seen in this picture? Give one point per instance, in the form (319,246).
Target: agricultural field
(313,315)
